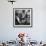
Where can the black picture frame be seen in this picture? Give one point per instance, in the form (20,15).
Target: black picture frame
(22,17)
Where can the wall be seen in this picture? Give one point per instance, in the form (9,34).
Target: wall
(37,32)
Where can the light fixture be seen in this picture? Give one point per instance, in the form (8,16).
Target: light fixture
(12,1)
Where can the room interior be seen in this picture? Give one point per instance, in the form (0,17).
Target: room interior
(36,32)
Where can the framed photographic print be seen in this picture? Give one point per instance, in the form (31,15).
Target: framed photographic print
(22,17)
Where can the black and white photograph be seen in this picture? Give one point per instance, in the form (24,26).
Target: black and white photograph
(22,17)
